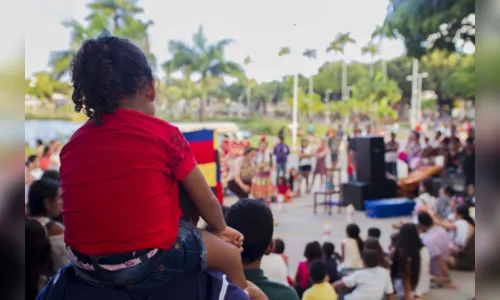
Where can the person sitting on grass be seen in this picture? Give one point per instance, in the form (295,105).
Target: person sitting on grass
(255,221)
(119,176)
(370,283)
(321,288)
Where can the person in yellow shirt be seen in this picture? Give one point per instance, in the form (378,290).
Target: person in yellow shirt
(321,289)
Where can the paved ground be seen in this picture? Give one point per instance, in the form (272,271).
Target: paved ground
(298,226)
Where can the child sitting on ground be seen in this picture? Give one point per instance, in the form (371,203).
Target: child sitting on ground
(321,288)
(351,249)
(123,220)
(445,202)
(331,260)
(425,201)
(284,190)
(370,283)
(279,248)
(374,233)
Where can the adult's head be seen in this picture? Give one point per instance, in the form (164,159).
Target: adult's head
(55,146)
(425,222)
(47,151)
(32,162)
(312,251)
(44,198)
(279,246)
(304,143)
(454,145)
(438,135)
(393,136)
(255,221)
(109,73)
(368,128)
(469,144)
(415,136)
(453,130)
(317,272)
(51,174)
(250,153)
(262,145)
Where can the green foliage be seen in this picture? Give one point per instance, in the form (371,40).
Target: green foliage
(206,60)
(462,82)
(121,17)
(427,25)
(284,51)
(380,88)
(310,53)
(340,42)
(42,86)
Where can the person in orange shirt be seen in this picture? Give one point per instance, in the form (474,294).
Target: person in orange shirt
(45,161)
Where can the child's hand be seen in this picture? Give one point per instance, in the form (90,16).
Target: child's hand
(232,236)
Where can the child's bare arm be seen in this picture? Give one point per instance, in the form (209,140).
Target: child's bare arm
(224,257)
(197,188)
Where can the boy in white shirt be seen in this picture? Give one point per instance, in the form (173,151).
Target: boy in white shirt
(371,283)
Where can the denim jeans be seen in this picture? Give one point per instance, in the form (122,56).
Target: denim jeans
(280,171)
(188,254)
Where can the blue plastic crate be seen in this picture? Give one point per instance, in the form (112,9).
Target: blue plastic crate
(389,208)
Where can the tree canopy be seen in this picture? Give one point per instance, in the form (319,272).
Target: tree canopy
(427,25)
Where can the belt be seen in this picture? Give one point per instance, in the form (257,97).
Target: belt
(111,262)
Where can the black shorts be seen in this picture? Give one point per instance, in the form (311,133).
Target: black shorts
(305,169)
(335,157)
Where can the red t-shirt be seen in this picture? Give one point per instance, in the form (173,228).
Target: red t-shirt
(44,163)
(119,184)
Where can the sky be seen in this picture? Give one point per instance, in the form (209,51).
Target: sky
(259,28)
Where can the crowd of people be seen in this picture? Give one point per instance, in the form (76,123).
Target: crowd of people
(114,214)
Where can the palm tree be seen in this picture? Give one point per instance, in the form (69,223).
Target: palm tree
(338,46)
(372,50)
(118,14)
(380,34)
(206,60)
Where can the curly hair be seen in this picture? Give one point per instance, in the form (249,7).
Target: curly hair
(104,71)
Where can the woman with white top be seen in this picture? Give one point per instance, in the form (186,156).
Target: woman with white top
(305,164)
(351,249)
(410,264)
(44,203)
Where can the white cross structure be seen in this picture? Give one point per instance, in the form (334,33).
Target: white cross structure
(416,94)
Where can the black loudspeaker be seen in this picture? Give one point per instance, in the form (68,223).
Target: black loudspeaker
(370,160)
(356,193)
